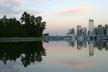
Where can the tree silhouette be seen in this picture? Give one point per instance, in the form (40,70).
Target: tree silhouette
(33,25)
(27,26)
(27,52)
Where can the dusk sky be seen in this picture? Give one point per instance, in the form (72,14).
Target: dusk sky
(60,15)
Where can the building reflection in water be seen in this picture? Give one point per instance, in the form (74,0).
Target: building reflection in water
(28,52)
(91,48)
(71,43)
(81,44)
(100,45)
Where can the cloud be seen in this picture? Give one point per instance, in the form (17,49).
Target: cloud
(77,10)
(9,6)
(9,3)
(13,7)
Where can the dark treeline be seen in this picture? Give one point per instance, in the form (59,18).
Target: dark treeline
(28,52)
(27,26)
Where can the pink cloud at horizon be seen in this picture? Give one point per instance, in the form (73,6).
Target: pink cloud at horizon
(77,10)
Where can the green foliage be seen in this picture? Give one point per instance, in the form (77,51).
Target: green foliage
(28,26)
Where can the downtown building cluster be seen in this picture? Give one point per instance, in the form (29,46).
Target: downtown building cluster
(99,32)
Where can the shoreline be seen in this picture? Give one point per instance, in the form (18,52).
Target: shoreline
(20,39)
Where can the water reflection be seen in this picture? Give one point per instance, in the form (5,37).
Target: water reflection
(71,43)
(27,52)
(100,45)
(30,52)
(91,48)
(81,44)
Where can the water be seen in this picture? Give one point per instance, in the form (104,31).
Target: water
(55,56)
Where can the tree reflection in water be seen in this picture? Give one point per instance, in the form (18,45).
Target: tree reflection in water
(28,52)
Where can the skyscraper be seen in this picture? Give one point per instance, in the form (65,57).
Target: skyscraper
(91,27)
(78,30)
(71,31)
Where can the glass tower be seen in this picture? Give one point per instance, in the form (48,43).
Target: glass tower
(91,27)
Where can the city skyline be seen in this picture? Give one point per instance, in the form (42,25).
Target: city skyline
(60,15)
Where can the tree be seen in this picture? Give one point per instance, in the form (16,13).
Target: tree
(28,26)
(33,25)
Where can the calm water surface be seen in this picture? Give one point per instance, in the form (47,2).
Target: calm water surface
(55,56)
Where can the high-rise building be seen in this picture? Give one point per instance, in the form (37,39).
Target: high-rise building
(100,30)
(83,32)
(106,29)
(71,31)
(71,34)
(79,30)
(91,27)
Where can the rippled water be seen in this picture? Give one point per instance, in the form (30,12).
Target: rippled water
(55,56)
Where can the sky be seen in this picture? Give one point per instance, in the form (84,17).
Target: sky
(60,15)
